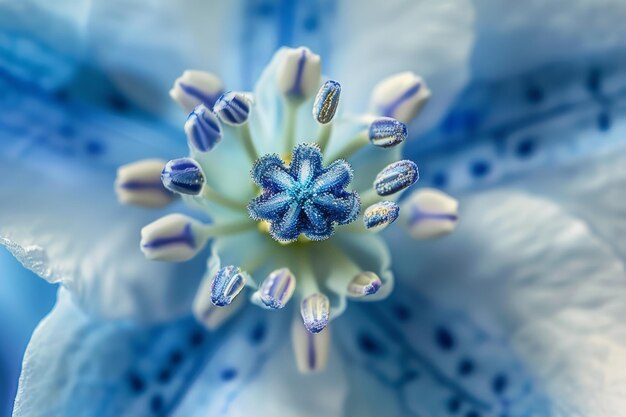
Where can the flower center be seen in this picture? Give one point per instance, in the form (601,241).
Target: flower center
(304,198)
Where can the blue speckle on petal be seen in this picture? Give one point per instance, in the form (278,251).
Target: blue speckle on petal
(444,338)
(304,198)
(257,335)
(369,345)
(466,367)
(480,168)
(228,374)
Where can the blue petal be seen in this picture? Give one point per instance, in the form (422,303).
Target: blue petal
(541,276)
(76,365)
(59,215)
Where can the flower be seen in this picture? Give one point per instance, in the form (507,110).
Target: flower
(517,312)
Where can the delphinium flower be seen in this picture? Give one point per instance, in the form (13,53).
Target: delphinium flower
(534,272)
(296,192)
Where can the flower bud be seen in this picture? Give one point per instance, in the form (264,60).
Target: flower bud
(315,311)
(183,176)
(431,213)
(326,102)
(226,285)
(299,73)
(173,238)
(139,183)
(400,96)
(380,215)
(387,132)
(396,177)
(196,87)
(277,289)
(203,129)
(233,108)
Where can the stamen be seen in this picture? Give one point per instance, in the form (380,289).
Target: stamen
(315,311)
(298,75)
(203,129)
(396,177)
(226,285)
(173,238)
(277,289)
(364,283)
(400,96)
(140,184)
(207,313)
(310,350)
(183,176)
(324,109)
(326,102)
(387,132)
(193,88)
(234,109)
(380,215)
(431,213)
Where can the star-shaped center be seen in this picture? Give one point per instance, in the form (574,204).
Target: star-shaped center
(304,197)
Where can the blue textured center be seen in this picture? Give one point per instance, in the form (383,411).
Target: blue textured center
(304,197)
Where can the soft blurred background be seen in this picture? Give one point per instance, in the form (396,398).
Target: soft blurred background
(531,85)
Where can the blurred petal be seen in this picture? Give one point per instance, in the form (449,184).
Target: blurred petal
(555,26)
(544,279)
(433,39)
(24,300)
(58,211)
(75,366)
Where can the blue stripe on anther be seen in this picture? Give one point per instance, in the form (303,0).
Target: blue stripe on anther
(185,237)
(390,109)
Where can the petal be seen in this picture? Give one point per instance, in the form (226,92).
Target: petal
(411,356)
(546,281)
(59,215)
(437,50)
(24,300)
(77,366)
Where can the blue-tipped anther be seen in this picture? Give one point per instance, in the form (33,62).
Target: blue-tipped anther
(364,283)
(232,108)
(315,311)
(381,215)
(326,102)
(304,198)
(277,289)
(387,132)
(203,129)
(396,177)
(227,283)
(183,176)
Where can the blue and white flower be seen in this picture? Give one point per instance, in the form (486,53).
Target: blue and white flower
(519,312)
